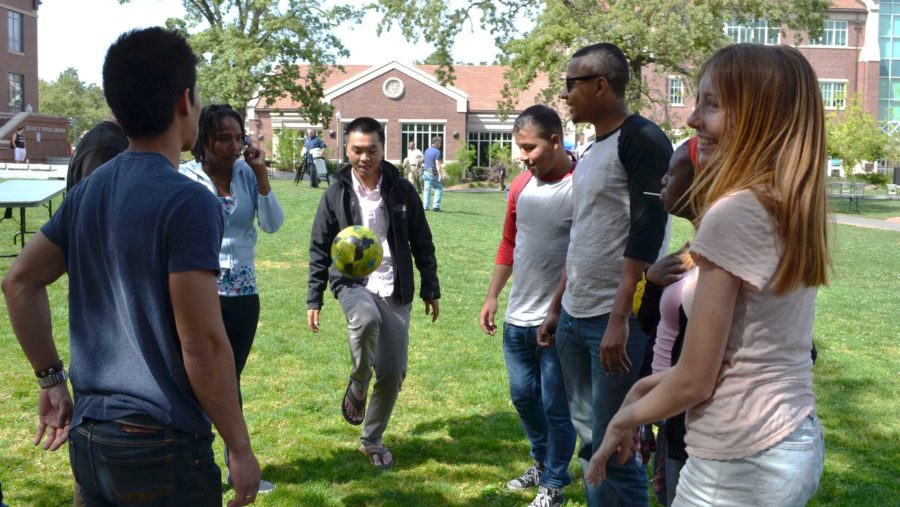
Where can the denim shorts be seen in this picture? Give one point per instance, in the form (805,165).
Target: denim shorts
(785,475)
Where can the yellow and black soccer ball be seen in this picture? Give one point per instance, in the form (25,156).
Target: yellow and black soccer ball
(356,251)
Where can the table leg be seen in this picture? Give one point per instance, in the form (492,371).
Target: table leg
(22,225)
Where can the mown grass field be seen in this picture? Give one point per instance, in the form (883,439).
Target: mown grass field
(455,435)
(868,208)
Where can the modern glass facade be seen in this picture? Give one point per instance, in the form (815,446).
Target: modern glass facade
(889,44)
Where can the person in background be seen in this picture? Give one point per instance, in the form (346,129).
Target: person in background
(18,144)
(412,165)
(433,174)
(313,147)
(98,146)
(241,184)
(664,318)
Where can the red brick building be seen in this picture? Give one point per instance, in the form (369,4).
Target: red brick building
(853,56)
(846,60)
(45,135)
(410,103)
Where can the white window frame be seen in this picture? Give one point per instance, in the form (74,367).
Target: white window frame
(831,33)
(751,31)
(483,140)
(16,85)
(829,96)
(412,127)
(15,28)
(676,95)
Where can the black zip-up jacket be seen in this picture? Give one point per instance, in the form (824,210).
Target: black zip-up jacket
(409,237)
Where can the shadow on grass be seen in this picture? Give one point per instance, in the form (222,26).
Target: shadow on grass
(861,466)
(866,207)
(454,212)
(477,450)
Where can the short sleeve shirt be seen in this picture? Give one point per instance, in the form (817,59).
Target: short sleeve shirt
(613,216)
(764,389)
(432,155)
(122,232)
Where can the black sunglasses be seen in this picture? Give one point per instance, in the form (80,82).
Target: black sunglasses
(570,81)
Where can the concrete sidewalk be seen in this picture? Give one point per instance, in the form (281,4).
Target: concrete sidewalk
(870,223)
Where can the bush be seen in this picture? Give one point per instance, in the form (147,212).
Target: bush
(479,173)
(453,172)
(876,179)
(333,165)
(290,144)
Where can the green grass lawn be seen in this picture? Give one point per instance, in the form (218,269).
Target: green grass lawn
(869,208)
(455,435)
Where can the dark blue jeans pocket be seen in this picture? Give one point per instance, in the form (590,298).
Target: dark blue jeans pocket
(140,475)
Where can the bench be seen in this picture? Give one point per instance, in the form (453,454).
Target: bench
(854,192)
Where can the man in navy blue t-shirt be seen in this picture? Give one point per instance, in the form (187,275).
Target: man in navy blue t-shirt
(150,362)
(433,174)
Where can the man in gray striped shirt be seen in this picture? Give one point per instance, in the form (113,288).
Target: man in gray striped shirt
(616,233)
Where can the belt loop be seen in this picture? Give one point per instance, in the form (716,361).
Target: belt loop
(90,454)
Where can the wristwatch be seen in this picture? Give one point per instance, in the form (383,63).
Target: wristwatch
(51,376)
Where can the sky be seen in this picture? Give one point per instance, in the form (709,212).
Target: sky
(70,35)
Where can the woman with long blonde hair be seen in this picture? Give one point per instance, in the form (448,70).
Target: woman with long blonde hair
(745,372)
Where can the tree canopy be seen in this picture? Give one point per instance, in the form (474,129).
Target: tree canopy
(854,135)
(676,35)
(260,48)
(71,97)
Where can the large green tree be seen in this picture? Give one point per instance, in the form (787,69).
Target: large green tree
(676,35)
(255,48)
(69,96)
(854,135)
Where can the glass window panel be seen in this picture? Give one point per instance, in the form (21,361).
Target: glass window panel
(894,90)
(884,23)
(16,92)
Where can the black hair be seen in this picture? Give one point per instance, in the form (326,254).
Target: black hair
(145,73)
(607,59)
(366,125)
(542,119)
(211,118)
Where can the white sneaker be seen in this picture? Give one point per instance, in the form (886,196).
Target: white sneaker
(548,497)
(528,479)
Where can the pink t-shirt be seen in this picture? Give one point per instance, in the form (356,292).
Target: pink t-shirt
(764,389)
(669,325)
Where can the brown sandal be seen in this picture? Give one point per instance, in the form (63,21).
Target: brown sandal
(358,405)
(383,455)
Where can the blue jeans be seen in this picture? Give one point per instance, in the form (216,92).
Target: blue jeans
(594,398)
(785,475)
(431,181)
(137,461)
(537,391)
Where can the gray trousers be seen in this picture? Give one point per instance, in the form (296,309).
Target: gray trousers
(379,340)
